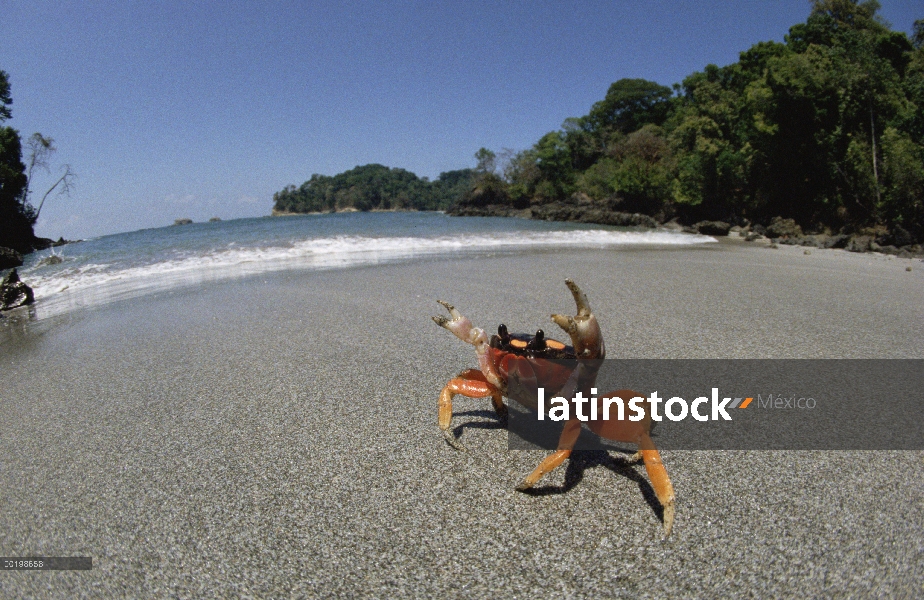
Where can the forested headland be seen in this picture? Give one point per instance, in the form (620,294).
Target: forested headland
(826,129)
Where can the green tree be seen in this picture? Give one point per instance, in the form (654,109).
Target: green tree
(487,161)
(637,173)
(629,104)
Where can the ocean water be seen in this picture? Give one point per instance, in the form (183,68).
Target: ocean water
(114,267)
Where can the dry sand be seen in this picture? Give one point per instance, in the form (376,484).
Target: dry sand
(276,437)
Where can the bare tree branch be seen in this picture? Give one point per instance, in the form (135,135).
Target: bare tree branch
(40,150)
(66,181)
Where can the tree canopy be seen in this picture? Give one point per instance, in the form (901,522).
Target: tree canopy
(826,128)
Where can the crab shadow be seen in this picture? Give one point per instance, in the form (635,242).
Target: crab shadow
(597,455)
(581,460)
(493,422)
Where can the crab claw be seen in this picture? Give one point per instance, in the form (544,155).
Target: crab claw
(583,327)
(463,329)
(460,326)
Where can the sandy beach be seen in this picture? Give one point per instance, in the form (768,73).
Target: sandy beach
(276,437)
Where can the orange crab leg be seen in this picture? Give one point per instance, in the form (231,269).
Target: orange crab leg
(549,464)
(638,433)
(471,384)
(661,483)
(566,442)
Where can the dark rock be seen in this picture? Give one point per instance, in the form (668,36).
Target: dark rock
(13,292)
(759,229)
(673,226)
(783,228)
(42,243)
(835,241)
(859,243)
(54,259)
(753,236)
(214,220)
(831,241)
(9,258)
(897,236)
(718,228)
(182,222)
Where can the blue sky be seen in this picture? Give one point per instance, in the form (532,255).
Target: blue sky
(185,109)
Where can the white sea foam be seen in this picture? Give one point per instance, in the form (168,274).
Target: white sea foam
(94,283)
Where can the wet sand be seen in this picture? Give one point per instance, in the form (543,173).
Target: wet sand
(276,436)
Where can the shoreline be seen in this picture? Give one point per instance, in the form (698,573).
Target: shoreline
(861,242)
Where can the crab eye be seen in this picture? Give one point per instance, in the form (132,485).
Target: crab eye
(502,332)
(538,342)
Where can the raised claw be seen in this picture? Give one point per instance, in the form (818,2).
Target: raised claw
(452,309)
(458,325)
(582,328)
(580,299)
(565,322)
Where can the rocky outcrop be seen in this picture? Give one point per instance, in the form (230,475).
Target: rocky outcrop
(45,243)
(559,211)
(9,258)
(182,222)
(13,292)
(556,211)
(857,242)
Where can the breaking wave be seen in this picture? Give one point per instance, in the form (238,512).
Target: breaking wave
(84,282)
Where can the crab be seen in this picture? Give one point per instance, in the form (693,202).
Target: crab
(506,357)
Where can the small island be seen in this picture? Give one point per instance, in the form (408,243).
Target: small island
(374,187)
